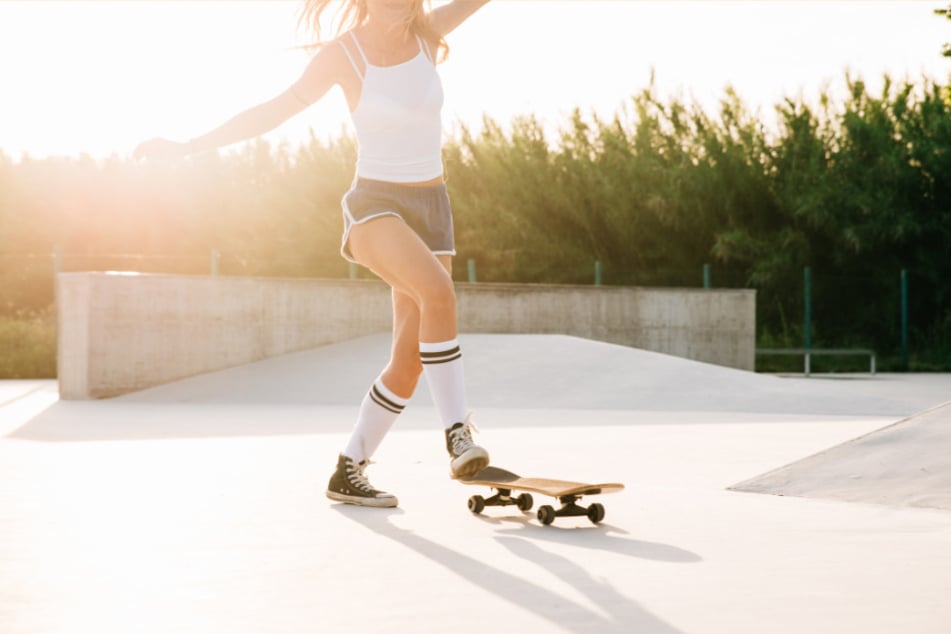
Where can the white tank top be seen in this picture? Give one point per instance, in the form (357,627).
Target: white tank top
(398,119)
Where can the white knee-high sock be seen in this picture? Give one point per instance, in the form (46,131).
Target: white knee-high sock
(442,365)
(378,412)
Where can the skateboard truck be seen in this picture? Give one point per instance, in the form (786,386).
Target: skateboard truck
(503,497)
(571,508)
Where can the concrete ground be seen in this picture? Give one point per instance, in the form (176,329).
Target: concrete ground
(198,506)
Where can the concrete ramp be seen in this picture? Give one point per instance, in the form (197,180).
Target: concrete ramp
(546,372)
(905,464)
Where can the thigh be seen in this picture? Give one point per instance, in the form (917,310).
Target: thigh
(391,249)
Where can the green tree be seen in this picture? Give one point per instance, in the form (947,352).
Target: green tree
(946,50)
(858,189)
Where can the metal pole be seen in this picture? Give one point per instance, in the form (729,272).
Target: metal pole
(807,298)
(215,257)
(706,276)
(597,272)
(352,270)
(472,270)
(57,267)
(904,319)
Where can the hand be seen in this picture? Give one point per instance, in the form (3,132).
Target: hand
(161,149)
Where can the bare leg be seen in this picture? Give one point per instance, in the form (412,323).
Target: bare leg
(422,280)
(389,248)
(402,373)
(390,393)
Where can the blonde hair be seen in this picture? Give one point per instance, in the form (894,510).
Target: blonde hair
(353,13)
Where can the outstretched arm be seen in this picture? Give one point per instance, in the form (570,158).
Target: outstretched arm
(313,84)
(449,16)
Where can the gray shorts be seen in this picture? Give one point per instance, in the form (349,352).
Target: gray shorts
(424,209)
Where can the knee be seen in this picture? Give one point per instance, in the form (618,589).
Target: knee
(439,294)
(402,374)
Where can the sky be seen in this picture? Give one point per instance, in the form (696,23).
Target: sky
(96,78)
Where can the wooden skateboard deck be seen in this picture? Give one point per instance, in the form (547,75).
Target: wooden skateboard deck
(566,491)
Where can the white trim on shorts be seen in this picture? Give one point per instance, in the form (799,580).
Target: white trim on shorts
(352,223)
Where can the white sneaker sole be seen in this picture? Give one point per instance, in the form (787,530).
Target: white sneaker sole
(388,501)
(470,463)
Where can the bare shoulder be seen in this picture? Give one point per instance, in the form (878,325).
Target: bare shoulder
(328,67)
(330,58)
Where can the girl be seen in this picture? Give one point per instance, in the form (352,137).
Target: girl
(397,218)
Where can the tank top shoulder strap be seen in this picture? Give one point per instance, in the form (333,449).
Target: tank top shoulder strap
(424,47)
(353,62)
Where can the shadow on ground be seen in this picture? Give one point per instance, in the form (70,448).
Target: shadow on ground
(617,612)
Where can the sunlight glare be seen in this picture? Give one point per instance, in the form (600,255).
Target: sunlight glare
(100,77)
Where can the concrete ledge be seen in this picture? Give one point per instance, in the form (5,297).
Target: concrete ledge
(714,326)
(124,332)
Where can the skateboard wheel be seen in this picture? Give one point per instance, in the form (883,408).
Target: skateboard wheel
(525,502)
(546,515)
(476,504)
(595,513)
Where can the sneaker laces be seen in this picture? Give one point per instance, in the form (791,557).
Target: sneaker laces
(461,438)
(357,478)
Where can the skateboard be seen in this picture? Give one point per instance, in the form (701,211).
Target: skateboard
(568,493)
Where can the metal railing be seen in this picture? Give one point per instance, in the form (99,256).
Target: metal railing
(809,352)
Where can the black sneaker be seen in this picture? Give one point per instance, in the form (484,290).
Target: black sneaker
(467,457)
(348,484)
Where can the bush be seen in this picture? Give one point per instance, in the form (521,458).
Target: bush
(28,345)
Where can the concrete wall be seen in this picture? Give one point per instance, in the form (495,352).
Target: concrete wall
(714,326)
(124,332)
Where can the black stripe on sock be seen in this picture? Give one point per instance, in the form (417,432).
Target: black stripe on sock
(436,355)
(382,401)
(384,405)
(435,361)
